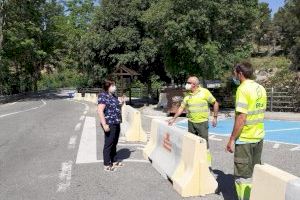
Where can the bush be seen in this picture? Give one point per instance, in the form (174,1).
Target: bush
(60,79)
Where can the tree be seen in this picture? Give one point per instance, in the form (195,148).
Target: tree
(263,26)
(201,37)
(287,22)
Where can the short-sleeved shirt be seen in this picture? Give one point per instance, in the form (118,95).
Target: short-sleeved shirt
(196,105)
(251,99)
(112,110)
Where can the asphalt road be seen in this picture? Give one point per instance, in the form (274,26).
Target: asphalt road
(41,137)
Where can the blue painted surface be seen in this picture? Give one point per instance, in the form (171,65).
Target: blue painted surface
(272,127)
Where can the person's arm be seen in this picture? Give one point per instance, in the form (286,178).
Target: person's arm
(212,100)
(215,114)
(178,113)
(101,108)
(239,123)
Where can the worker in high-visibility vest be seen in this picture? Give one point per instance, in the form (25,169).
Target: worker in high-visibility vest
(246,140)
(196,102)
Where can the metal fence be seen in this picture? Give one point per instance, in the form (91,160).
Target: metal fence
(282,100)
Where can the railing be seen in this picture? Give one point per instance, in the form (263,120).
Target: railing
(281,100)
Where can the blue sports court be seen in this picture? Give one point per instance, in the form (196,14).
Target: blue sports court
(276,130)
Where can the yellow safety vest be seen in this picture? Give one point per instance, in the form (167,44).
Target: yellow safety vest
(251,99)
(196,105)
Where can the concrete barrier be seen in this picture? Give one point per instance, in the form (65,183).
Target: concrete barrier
(271,183)
(94,98)
(131,126)
(87,97)
(293,190)
(162,101)
(180,157)
(78,96)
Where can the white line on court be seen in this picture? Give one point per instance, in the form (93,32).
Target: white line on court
(77,127)
(34,108)
(295,148)
(65,176)
(276,145)
(72,142)
(81,118)
(87,151)
(213,137)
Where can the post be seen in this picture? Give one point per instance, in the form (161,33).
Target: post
(271,101)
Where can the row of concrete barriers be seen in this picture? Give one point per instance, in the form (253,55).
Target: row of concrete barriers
(90,97)
(131,126)
(182,158)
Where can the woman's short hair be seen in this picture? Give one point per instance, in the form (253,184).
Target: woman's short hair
(107,84)
(245,68)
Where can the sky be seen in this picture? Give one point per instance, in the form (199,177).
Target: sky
(274,4)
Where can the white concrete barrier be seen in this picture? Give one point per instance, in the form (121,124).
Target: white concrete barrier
(181,157)
(78,96)
(162,101)
(293,190)
(94,98)
(270,183)
(87,97)
(131,126)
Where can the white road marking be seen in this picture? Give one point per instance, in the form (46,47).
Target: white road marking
(213,137)
(81,118)
(276,145)
(87,147)
(72,142)
(34,108)
(130,160)
(295,148)
(77,127)
(273,141)
(278,130)
(65,176)
(8,104)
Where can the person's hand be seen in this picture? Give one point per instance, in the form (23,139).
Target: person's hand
(106,128)
(171,121)
(122,99)
(214,122)
(230,145)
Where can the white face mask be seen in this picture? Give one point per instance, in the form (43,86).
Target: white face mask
(112,89)
(188,86)
(236,81)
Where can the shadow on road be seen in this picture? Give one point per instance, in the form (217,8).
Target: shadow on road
(226,185)
(124,153)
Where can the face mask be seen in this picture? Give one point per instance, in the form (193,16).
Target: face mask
(188,86)
(112,89)
(236,81)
